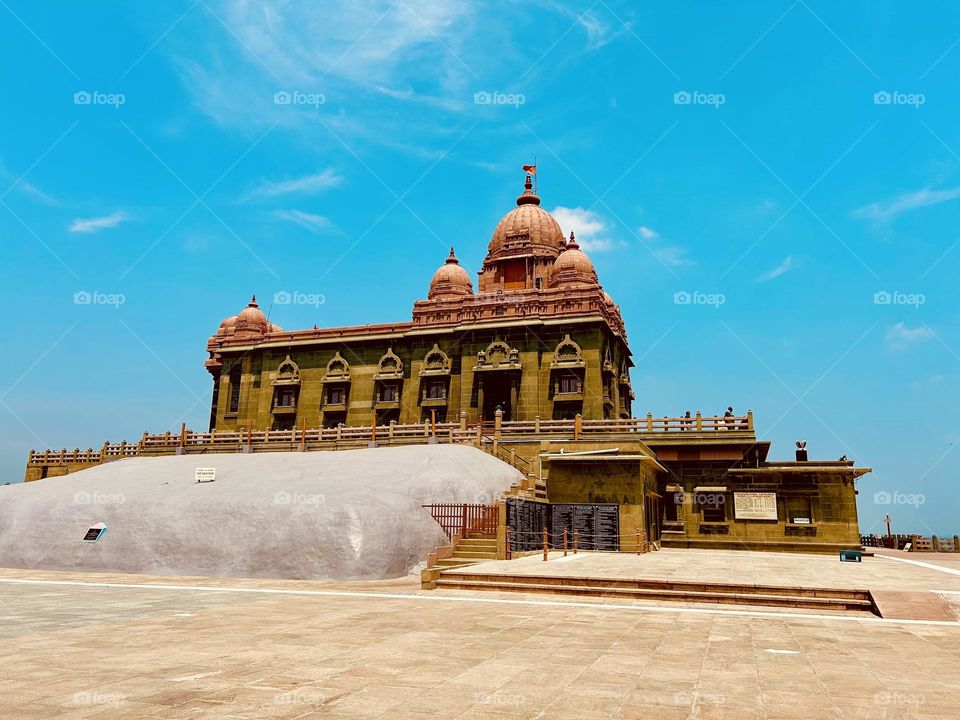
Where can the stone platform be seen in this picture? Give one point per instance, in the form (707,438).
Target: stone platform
(96,645)
(899,585)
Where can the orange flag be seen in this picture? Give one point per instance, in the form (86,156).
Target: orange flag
(532,169)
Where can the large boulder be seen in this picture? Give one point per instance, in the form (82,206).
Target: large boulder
(347,515)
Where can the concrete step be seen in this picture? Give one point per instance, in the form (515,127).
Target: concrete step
(478,542)
(834,599)
(451,563)
(475,554)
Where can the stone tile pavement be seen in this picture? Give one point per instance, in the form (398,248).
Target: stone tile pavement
(81,645)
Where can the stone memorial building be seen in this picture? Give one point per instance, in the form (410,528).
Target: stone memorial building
(538,337)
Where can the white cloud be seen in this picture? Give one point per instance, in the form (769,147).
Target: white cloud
(669,255)
(892,209)
(306,185)
(589,228)
(313,223)
(900,336)
(92,225)
(786,266)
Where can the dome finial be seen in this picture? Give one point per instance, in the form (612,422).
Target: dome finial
(253,301)
(452,258)
(572,244)
(528,197)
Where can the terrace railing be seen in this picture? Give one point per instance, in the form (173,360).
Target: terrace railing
(492,437)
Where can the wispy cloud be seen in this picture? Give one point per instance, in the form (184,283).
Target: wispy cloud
(786,266)
(96,224)
(901,336)
(306,185)
(590,229)
(313,223)
(670,255)
(891,209)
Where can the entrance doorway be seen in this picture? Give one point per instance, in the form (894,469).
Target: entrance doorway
(496,393)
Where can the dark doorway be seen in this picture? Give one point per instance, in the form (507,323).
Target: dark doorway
(496,393)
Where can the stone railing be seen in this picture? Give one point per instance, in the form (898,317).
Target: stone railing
(488,436)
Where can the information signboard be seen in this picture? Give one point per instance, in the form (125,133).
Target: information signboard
(755,505)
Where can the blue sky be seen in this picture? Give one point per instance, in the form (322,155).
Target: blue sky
(778,164)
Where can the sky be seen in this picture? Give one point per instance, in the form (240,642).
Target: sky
(770,191)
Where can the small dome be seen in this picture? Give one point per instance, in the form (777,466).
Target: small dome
(573,268)
(450,280)
(251,319)
(526,228)
(228,326)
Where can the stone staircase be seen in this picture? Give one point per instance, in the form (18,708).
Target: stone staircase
(469,551)
(821,599)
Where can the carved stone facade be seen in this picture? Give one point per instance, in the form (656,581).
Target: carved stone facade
(539,338)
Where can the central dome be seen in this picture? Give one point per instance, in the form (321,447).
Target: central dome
(527,229)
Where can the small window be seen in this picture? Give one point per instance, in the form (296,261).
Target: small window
(436,390)
(569,384)
(286,397)
(799,511)
(388,392)
(713,506)
(336,396)
(235,390)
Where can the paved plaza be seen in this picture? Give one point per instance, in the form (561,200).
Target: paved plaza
(86,645)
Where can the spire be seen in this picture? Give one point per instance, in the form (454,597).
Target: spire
(253,301)
(572,244)
(452,258)
(529,197)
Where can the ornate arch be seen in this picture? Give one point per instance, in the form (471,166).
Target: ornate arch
(498,355)
(338,369)
(288,372)
(567,354)
(436,362)
(389,366)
